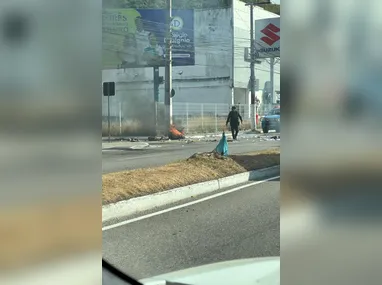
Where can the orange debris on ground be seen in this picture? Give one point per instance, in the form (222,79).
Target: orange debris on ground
(174,133)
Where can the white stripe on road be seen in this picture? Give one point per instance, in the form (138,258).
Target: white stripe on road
(113,226)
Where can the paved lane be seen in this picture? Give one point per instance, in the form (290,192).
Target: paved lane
(118,160)
(241,224)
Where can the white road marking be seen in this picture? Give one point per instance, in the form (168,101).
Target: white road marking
(113,226)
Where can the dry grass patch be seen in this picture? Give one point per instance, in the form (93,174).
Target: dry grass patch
(258,160)
(199,168)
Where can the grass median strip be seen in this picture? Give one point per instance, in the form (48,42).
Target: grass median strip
(198,168)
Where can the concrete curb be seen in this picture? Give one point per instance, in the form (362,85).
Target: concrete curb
(148,202)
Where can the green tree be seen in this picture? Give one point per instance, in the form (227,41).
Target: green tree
(160,4)
(183,4)
(273,8)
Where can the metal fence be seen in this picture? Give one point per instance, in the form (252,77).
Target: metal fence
(206,118)
(194,118)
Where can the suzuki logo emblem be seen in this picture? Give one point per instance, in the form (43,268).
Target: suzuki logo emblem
(271,36)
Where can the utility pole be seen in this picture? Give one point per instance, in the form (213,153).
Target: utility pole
(252,79)
(272,69)
(253,61)
(168,69)
(156,96)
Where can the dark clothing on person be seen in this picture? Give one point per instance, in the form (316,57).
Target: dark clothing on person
(235,131)
(233,118)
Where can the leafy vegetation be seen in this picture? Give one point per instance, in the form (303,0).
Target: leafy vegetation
(274,8)
(183,4)
(160,4)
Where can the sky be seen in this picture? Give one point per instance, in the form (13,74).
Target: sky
(275,1)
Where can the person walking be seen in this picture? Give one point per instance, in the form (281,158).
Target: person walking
(233,119)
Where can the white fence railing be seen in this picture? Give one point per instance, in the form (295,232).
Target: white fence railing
(192,117)
(205,118)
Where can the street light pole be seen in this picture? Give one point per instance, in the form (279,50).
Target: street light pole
(253,60)
(252,78)
(168,69)
(272,70)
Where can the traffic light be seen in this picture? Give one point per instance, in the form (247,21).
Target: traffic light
(109,88)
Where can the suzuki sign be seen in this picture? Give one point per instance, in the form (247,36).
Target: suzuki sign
(267,37)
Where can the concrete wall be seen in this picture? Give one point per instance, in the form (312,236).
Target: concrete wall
(241,40)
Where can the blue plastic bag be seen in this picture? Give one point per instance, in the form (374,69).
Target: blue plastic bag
(222,147)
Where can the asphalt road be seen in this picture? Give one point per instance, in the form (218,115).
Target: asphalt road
(241,224)
(163,153)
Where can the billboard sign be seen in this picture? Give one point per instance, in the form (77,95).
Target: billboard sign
(133,38)
(267,37)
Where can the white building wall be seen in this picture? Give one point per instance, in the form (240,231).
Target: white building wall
(242,40)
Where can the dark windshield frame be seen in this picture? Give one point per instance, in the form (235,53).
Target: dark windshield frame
(119,275)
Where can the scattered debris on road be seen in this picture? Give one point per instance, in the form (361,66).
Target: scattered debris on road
(270,138)
(122,140)
(157,138)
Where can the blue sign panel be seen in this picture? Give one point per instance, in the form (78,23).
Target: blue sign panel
(137,38)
